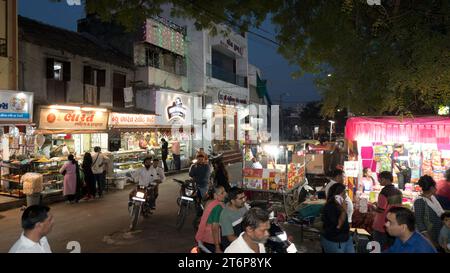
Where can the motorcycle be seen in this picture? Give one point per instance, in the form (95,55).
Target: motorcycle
(278,241)
(141,201)
(187,199)
(213,156)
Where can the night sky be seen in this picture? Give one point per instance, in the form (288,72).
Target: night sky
(262,53)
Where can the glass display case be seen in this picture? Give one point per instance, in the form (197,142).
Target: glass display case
(127,161)
(52,179)
(10,178)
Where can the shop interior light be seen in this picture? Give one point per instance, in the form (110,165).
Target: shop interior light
(64,107)
(272,150)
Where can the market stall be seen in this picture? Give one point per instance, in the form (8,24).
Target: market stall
(16,139)
(65,130)
(280,172)
(408,147)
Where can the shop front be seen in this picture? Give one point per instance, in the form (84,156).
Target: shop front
(16,139)
(227,115)
(132,137)
(64,130)
(72,130)
(408,147)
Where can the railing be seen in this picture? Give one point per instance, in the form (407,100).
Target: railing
(224,75)
(3,47)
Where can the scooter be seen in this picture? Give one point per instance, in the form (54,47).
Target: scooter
(187,199)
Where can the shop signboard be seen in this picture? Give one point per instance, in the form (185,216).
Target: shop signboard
(16,106)
(173,108)
(230,99)
(351,168)
(63,119)
(122,120)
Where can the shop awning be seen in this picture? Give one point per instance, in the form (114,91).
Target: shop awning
(395,130)
(68,131)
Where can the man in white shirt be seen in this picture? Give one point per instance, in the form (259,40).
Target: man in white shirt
(337,176)
(99,169)
(151,172)
(256,164)
(256,227)
(36,224)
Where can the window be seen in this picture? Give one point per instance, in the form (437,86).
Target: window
(58,74)
(93,79)
(119,83)
(165,60)
(180,66)
(3,28)
(58,70)
(152,57)
(169,63)
(93,76)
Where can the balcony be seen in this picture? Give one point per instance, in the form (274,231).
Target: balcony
(154,76)
(226,76)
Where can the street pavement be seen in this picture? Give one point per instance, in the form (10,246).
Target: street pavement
(101,225)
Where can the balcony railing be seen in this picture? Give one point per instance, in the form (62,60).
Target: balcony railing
(3,47)
(224,75)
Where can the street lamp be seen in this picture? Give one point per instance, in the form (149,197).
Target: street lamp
(331,127)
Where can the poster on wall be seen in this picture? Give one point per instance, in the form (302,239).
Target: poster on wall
(173,108)
(351,168)
(16,106)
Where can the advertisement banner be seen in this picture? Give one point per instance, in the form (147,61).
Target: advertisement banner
(121,120)
(60,119)
(16,106)
(173,108)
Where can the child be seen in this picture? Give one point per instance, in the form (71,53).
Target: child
(444,236)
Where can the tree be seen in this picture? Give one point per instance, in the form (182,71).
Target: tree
(391,58)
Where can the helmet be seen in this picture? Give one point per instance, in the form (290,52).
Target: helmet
(147,158)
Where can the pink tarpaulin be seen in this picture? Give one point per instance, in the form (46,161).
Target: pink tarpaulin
(394,130)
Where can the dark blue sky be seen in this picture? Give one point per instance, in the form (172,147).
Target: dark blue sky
(262,53)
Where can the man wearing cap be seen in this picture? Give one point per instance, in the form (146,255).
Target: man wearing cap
(36,224)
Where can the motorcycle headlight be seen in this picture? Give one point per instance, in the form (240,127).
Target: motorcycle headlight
(140,194)
(189,192)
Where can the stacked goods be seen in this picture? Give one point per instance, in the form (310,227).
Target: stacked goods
(32,183)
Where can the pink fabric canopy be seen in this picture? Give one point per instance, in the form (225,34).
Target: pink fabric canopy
(394,130)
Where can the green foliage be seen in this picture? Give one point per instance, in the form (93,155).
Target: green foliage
(388,59)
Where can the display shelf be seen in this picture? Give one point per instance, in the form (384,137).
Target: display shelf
(126,163)
(128,152)
(10,180)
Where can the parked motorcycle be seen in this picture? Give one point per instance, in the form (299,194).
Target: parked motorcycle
(141,203)
(187,199)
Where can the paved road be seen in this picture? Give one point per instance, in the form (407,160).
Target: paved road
(100,226)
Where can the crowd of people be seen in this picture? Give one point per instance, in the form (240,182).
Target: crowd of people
(87,182)
(228,225)
(424,229)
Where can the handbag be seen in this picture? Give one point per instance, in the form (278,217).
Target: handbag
(64,172)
